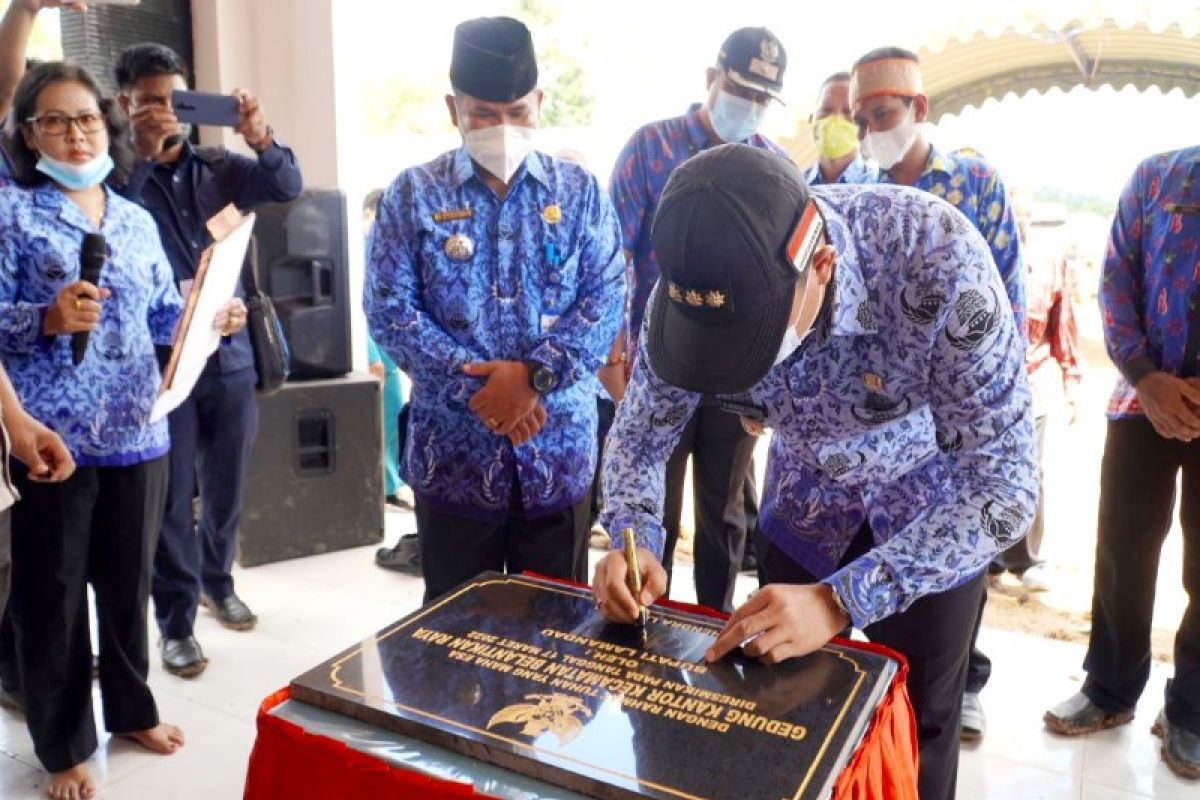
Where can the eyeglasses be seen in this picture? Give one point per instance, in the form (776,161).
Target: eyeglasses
(55,124)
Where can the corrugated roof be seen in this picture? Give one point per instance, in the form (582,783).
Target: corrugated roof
(1134,45)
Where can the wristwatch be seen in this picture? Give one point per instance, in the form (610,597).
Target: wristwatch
(541,377)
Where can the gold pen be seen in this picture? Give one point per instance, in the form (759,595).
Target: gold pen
(634,578)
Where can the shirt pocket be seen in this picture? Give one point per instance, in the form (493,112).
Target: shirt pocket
(883,452)
(453,291)
(560,285)
(46,273)
(124,329)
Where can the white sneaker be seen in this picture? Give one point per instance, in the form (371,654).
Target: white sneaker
(1034,580)
(974,722)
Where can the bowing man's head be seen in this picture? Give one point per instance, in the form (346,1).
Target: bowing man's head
(745,264)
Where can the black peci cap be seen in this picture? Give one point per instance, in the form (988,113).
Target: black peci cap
(755,58)
(493,59)
(734,231)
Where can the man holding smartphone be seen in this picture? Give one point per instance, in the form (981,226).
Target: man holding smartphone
(212,433)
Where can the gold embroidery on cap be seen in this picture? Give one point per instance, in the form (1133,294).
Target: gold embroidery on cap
(693,298)
(714,299)
(673,291)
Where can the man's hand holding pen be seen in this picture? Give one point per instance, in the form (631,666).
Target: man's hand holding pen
(611,585)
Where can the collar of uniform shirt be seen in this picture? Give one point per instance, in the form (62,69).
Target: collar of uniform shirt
(841,311)
(937,161)
(49,196)
(186,153)
(463,169)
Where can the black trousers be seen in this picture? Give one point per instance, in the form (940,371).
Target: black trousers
(455,548)
(1016,559)
(721,452)
(606,411)
(100,525)
(212,434)
(5,558)
(934,635)
(1137,498)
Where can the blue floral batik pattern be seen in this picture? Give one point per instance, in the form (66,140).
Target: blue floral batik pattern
(101,407)
(973,186)
(1150,283)
(907,408)
(456,275)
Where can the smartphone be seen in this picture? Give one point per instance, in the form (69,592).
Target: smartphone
(202,108)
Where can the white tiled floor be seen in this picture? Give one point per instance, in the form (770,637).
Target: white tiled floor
(311,608)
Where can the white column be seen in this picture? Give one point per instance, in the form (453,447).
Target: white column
(283,52)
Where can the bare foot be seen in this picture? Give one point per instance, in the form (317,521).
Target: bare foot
(162,738)
(71,784)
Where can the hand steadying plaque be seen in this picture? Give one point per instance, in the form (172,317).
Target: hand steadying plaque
(526,674)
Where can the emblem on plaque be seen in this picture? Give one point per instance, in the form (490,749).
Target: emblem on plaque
(554,713)
(459,247)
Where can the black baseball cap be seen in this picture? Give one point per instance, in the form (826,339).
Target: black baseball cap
(734,231)
(755,58)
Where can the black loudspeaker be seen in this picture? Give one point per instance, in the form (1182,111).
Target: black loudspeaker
(315,479)
(302,265)
(94,39)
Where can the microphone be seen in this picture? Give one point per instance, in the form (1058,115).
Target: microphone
(91,259)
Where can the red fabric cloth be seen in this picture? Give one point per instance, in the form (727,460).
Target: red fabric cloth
(288,762)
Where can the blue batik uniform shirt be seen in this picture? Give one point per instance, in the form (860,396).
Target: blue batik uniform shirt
(857,171)
(1150,286)
(101,408)
(545,283)
(974,187)
(906,407)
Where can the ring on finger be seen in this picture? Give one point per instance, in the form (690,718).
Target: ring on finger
(78,305)
(752,637)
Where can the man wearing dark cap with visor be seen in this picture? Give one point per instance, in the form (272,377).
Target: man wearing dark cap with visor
(747,77)
(495,280)
(867,326)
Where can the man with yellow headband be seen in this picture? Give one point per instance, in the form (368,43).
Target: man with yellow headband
(836,137)
(887,96)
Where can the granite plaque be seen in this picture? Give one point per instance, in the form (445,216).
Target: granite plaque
(526,674)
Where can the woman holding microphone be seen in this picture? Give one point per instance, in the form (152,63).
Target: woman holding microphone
(101,524)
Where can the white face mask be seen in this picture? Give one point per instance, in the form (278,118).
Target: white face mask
(791,338)
(886,148)
(500,149)
(736,119)
(791,341)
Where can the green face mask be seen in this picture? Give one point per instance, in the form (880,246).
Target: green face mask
(836,137)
